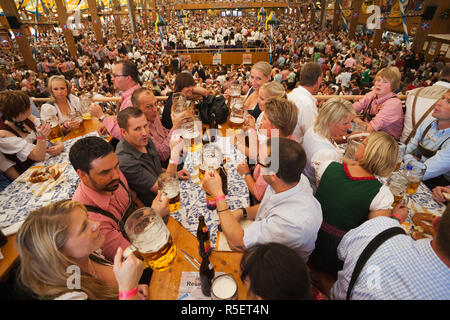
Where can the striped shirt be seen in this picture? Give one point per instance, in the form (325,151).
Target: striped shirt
(400,269)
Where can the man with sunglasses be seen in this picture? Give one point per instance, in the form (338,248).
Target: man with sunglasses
(125,77)
(288,213)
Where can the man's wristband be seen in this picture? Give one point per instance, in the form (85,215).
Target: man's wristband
(123,295)
(102,117)
(175,162)
(41,138)
(396,217)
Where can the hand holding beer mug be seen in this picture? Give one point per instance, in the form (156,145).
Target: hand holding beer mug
(150,238)
(44,130)
(56,133)
(169,186)
(211,160)
(179,102)
(76,121)
(398,184)
(191,129)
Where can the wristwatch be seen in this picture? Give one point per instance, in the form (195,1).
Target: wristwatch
(102,117)
(245,213)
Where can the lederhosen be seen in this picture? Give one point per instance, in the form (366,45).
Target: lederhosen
(427,153)
(132,206)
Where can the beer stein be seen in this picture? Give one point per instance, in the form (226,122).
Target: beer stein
(224,287)
(179,102)
(235,90)
(414,173)
(76,121)
(401,154)
(398,184)
(191,130)
(56,134)
(85,102)
(358,131)
(150,239)
(237,115)
(169,186)
(352,145)
(211,160)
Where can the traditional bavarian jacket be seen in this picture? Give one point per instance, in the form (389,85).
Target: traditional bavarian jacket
(433,148)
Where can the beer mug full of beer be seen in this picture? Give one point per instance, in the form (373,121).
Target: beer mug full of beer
(191,130)
(56,134)
(76,121)
(150,239)
(397,184)
(237,115)
(414,173)
(169,186)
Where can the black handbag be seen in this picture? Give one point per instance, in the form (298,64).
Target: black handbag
(213,104)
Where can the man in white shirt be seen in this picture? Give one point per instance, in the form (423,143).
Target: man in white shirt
(401,268)
(303,97)
(426,97)
(344,78)
(288,213)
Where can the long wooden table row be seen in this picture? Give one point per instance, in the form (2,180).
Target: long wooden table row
(164,285)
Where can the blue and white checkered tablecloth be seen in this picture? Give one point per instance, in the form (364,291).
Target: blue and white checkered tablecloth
(17,200)
(193,197)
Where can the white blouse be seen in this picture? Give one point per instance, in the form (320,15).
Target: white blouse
(318,149)
(48,110)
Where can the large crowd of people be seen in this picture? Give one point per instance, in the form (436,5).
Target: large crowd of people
(317,206)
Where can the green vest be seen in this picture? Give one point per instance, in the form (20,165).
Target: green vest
(345,200)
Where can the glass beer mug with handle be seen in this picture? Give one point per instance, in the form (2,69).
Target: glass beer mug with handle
(169,186)
(414,173)
(85,102)
(56,134)
(150,239)
(212,158)
(237,115)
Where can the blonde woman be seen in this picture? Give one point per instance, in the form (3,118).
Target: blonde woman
(348,192)
(279,119)
(259,74)
(334,119)
(381,109)
(61,103)
(59,240)
(268,90)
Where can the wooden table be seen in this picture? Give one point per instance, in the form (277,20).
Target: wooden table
(9,250)
(164,285)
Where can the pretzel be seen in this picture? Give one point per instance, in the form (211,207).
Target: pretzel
(44,174)
(420,220)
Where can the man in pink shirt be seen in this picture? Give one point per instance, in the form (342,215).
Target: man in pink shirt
(104,191)
(350,62)
(125,77)
(144,100)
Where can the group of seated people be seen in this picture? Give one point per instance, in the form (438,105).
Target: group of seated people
(310,204)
